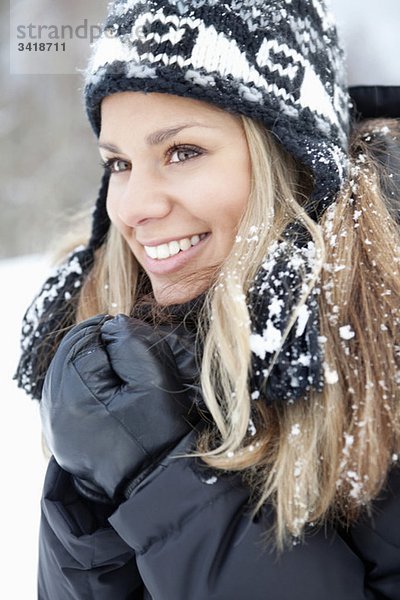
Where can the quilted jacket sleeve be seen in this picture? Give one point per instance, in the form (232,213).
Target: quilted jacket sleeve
(80,555)
(194,538)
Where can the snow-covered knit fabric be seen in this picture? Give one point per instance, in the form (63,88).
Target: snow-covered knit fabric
(286,361)
(48,318)
(278,61)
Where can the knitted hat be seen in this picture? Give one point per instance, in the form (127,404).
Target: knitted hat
(277,61)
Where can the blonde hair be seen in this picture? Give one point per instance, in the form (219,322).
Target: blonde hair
(326,456)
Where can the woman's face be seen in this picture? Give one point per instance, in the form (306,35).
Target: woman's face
(180,183)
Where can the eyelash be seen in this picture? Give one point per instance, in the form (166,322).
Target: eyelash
(109,163)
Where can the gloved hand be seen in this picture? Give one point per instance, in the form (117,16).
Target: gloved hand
(114,402)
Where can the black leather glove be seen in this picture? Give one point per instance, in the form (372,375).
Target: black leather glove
(114,401)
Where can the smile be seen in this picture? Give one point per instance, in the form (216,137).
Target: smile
(174,247)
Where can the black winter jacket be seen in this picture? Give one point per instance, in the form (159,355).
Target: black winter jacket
(184,536)
(186,533)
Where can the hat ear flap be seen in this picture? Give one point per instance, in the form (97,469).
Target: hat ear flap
(286,363)
(100,219)
(53,310)
(48,318)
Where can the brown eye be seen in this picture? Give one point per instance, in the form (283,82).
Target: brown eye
(179,154)
(117,165)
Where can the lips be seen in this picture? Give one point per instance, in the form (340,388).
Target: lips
(164,251)
(174,262)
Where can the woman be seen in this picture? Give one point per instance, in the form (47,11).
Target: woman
(233,432)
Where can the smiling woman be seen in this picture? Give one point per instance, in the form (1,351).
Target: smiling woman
(180,182)
(218,364)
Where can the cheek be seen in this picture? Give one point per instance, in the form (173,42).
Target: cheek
(233,196)
(225,186)
(110,204)
(112,210)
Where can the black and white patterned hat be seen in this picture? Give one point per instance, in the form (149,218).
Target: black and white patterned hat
(278,61)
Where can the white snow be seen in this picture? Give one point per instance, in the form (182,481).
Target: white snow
(295,431)
(269,341)
(302,319)
(331,375)
(23,463)
(346,332)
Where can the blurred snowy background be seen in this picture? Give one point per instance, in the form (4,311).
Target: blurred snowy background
(49,168)
(22,461)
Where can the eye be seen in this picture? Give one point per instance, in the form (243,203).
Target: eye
(116,165)
(182,153)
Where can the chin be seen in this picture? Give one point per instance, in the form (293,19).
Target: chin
(175,294)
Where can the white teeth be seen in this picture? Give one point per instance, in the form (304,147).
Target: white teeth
(166,250)
(151,251)
(162,251)
(184,244)
(174,248)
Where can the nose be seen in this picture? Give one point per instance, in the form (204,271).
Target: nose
(142,197)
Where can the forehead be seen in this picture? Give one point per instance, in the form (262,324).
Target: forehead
(142,109)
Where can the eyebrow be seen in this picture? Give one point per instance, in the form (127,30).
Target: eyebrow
(158,137)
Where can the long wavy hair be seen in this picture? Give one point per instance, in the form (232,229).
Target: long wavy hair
(323,458)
